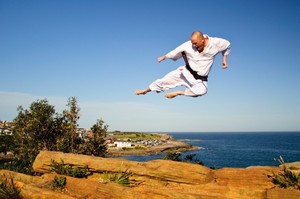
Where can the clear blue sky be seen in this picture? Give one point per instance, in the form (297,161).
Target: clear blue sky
(101,51)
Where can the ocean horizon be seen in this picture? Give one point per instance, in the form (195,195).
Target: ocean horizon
(237,149)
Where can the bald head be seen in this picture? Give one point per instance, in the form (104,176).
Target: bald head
(197,34)
(198,40)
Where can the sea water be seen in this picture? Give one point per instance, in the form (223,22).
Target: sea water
(240,150)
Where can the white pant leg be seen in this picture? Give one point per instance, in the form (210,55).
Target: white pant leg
(194,87)
(171,80)
(180,77)
(196,90)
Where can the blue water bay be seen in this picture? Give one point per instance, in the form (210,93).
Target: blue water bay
(238,149)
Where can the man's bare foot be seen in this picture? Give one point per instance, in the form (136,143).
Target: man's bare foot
(142,92)
(174,94)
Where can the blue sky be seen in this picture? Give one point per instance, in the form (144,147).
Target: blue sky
(101,51)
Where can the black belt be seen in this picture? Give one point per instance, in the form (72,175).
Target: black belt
(194,73)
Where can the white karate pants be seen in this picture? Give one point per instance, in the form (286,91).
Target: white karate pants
(180,77)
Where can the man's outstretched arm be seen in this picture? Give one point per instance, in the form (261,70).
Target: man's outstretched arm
(161,58)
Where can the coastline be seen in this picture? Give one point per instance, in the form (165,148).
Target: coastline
(169,144)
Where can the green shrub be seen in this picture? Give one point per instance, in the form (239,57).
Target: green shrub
(59,182)
(69,170)
(191,158)
(287,178)
(8,190)
(120,177)
(22,164)
(175,156)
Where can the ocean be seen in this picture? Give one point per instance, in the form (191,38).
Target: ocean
(237,150)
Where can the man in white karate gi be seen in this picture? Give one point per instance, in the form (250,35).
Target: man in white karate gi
(200,52)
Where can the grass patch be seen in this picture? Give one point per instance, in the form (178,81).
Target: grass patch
(8,189)
(136,136)
(120,177)
(59,182)
(286,178)
(139,148)
(127,148)
(69,170)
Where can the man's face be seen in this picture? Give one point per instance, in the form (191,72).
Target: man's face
(198,43)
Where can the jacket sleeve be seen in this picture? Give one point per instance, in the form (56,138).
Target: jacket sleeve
(176,53)
(224,46)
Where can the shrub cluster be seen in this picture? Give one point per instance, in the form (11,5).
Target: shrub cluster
(8,189)
(41,128)
(69,170)
(286,178)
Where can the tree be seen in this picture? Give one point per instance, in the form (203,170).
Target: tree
(71,118)
(95,143)
(35,129)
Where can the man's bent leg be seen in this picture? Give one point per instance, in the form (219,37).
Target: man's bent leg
(174,94)
(197,90)
(142,92)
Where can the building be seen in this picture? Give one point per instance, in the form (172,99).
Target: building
(121,144)
(6,127)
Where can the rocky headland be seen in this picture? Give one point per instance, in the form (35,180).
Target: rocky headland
(166,143)
(152,179)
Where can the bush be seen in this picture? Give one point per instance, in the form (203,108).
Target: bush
(21,164)
(175,156)
(191,158)
(66,169)
(287,178)
(8,190)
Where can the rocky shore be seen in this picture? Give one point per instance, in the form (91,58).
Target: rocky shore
(160,179)
(166,143)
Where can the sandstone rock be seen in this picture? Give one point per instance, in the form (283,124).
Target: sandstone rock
(154,179)
(278,193)
(33,187)
(294,166)
(169,171)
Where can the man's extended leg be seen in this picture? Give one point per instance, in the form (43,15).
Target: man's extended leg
(170,80)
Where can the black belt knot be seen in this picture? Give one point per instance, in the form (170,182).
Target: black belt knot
(194,73)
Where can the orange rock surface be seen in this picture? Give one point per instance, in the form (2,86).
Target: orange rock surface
(153,179)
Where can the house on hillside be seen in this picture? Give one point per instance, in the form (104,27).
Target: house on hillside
(121,144)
